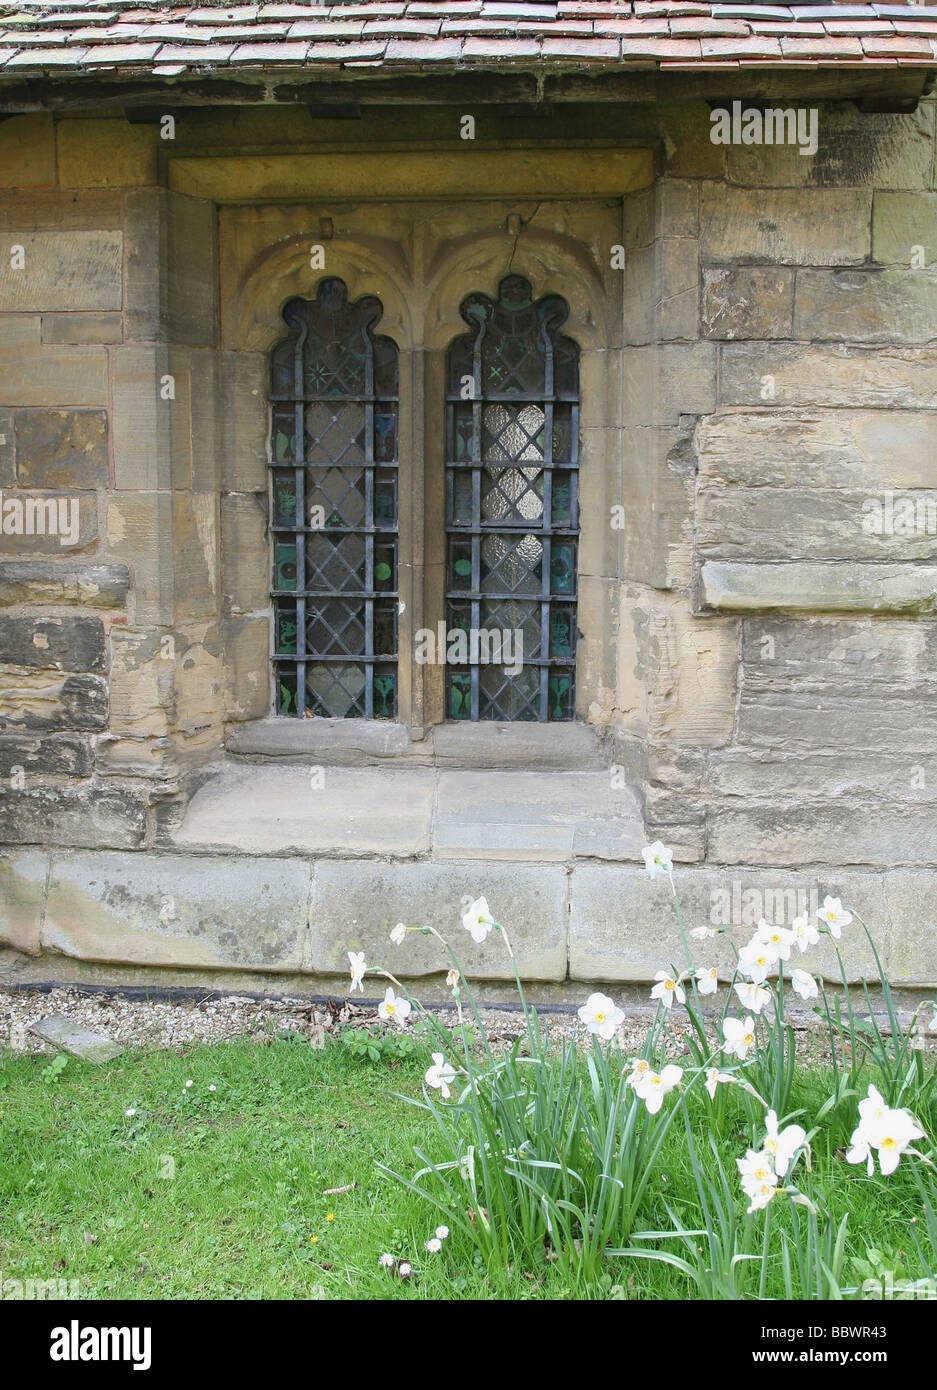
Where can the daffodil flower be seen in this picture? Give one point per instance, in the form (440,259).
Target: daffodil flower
(756,1167)
(439,1075)
(358,968)
(668,989)
(477,920)
(761,1195)
(782,1145)
(707,980)
(778,938)
(654,1085)
(834,916)
(393,1009)
(756,960)
(753,996)
(601,1015)
(889,1132)
(714,1078)
(739,1036)
(804,932)
(804,985)
(658,859)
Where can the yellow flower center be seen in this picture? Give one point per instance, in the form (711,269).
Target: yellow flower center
(749,1039)
(600,1018)
(391,1008)
(655,1080)
(889,1143)
(669,984)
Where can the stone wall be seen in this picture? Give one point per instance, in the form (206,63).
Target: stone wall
(758,661)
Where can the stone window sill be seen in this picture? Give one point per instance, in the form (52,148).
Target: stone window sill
(362,743)
(414,812)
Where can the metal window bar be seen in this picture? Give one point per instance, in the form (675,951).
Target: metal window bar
(551,696)
(356,679)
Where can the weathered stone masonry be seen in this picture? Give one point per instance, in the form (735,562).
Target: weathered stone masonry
(757,681)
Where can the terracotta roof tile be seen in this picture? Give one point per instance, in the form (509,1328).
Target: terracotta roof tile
(896,45)
(423,50)
(753,46)
(327,28)
(829,47)
(412,28)
(372,51)
(289,51)
(504,50)
(595,49)
(193,53)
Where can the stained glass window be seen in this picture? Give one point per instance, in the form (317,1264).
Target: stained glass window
(512,502)
(334,509)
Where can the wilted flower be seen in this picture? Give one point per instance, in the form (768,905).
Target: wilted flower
(714,1078)
(639,1068)
(452,980)
(398,934)
(804,932)
(439,1075)
(782,1145)
(394,1009)
(739,1036)
(477,920)
(833,915)
(668,989)
(933,1022)
(358,967)
(434,1246)
(804,985)
(654,1085)
(753,996)
(601,1015)
(658,859)
(707,980)
(703,933)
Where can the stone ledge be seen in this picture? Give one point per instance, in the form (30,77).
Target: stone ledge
(818,587)
(413,812)
(371,742)
(78,914)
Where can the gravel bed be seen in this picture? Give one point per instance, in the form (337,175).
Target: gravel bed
(192,1021)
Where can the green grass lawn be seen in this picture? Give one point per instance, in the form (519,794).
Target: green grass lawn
(221,1194)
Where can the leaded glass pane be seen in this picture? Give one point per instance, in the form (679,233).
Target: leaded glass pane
(334,509)
(512,502)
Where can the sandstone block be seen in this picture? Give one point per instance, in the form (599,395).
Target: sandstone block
(62,270)
(355,905)
(61,448)
(178,910)
(748,303)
